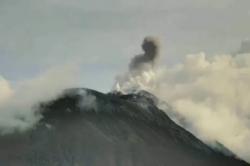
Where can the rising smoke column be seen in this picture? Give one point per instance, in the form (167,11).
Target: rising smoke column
(209,95)
(245,47)
(150,47)
(140,68)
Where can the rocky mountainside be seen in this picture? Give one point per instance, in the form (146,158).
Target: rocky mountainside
(84,127)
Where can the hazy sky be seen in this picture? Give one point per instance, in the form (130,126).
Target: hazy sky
(103,35)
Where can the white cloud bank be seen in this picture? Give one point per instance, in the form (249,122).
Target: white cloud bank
(16,104)
(5,89)
(210,97)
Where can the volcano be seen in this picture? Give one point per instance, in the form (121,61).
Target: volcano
(83,127)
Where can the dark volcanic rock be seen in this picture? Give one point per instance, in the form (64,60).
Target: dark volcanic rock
(87,128)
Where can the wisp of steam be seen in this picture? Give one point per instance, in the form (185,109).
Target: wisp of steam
(209,95)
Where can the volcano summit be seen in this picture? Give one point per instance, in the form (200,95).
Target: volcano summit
(85,127)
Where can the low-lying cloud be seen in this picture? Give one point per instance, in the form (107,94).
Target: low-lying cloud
(17,105)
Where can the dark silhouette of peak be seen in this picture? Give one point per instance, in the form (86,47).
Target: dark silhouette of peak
(84,127)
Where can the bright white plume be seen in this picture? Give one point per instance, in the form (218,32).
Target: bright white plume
(210,96)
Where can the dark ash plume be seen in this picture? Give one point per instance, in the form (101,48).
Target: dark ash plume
(150,47)
(245,47)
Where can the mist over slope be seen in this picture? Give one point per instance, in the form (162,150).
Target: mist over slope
(17,104)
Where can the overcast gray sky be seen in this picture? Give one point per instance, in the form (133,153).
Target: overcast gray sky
(103,35)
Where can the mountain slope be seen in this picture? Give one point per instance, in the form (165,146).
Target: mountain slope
(86,127)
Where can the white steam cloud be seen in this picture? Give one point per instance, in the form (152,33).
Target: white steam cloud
(88,101)
(5,89)
(210,96)
(17,104)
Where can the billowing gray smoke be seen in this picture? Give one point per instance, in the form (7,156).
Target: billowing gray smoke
(245,47)
(210,94)
(150,47)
